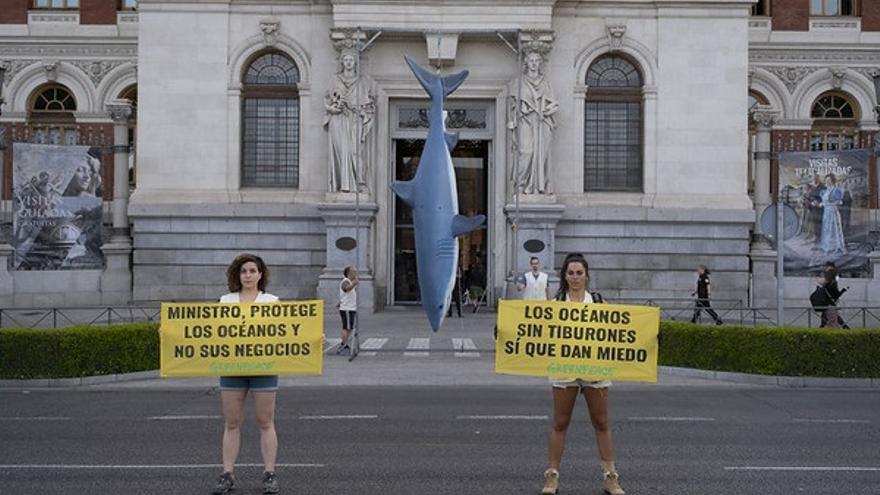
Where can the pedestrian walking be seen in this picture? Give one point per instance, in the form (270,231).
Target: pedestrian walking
(456,293)
(247,278)
(574,279)
(703,293)
(347,305)
(831,314)
(534,282)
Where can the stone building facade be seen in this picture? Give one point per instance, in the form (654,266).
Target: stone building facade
(616,129)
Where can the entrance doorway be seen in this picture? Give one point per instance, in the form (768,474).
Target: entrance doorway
(471,161)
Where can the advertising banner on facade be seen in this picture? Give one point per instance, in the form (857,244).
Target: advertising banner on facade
(57,207)
(567,340)
(829,191)
(247,339)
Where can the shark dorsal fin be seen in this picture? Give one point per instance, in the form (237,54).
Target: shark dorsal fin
(404,190)
(451,140)
(462,224)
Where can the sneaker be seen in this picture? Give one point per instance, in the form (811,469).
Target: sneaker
(551,482)
(225,484)
(611,485)
(270,484)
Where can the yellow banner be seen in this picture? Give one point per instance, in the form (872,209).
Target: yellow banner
(569,340)
(247,339)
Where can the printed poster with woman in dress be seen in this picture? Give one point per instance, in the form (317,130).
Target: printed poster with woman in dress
(57,208)
(829,191)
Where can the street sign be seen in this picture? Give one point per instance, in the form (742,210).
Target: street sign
(790,223)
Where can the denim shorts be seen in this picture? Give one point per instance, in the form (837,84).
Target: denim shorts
(253,383)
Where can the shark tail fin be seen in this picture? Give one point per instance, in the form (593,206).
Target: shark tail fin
(404,190)
(462,224)
(428,79)
(451,140)
(452,82)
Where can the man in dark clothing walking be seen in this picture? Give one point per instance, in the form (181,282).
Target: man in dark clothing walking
(829,273)
(703,293)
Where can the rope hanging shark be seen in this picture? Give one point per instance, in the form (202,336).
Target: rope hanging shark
(433,197)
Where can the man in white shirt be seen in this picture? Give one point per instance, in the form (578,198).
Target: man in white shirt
(534,282)
(347,305)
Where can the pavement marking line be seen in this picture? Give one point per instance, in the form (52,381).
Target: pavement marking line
(176,418)
(341,416)
(331,344)
(802,468)
(419,344)
(503,417)
(144,466)
(669,418)
(36,418)
(371,345)
(846,421)
(465,344)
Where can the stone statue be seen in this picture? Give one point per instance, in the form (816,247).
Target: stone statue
(350,110)
(536,121)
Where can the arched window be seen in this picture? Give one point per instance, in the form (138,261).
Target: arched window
(50,116)
(613,126)
(835,122)
(270,122)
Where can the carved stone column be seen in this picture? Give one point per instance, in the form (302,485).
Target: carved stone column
(120,111)
(116,278)
(764,119)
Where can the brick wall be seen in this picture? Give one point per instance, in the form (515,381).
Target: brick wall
(791,15)
(870,15)
(98,11)
(14,11)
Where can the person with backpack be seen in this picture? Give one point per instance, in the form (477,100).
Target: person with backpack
(703,293)
(824,298)
(574,279)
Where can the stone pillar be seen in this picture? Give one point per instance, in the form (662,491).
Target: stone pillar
(764,119)
(535,236)
(7,285)
(349,242)
(120,112)
(873,292)
(763,278)
(116,279)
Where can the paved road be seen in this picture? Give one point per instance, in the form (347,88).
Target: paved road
(671,439)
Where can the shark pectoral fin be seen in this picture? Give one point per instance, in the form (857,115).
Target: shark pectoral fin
(404,190)
(462,224)
(424,77)
(451,140)
(452,82)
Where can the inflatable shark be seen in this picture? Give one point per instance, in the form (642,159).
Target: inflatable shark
(433,197)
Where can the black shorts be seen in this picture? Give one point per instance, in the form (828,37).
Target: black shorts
(349,319)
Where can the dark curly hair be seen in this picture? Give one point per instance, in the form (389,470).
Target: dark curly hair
(569,259)
(233,273)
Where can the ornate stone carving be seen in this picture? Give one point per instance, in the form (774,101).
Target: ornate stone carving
(126,51)
(752,70)
(532,117)
(350,108)
(13,67)
(764,117)
(615,34)
(868,72)
(824,57)
(120,110)
(791,76)
(51,68)
(838,74)
(270,29)
(97,69)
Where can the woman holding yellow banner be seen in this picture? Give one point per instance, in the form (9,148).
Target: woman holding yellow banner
(574,278)
(247,278)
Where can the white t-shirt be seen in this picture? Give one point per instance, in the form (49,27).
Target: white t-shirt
(348,301)
(536,287)
(234,297)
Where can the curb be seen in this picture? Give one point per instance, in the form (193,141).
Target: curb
(725,376)
(778,381)
(77,382)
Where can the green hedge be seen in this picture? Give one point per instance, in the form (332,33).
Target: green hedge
(78,351)
(101,350)
(828,352)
